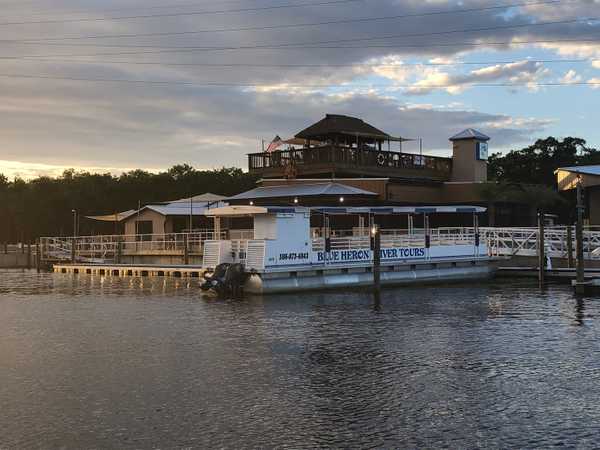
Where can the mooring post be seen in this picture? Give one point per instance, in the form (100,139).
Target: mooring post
(186,250)
(541,249)
(29,255)
(73,251)
(569,247)
(119,250)
(38,260)
(376,260)
(579,240)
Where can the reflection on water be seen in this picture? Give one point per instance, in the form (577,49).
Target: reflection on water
(118,362)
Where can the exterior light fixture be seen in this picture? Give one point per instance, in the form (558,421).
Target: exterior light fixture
(251,203)
(341,199)
(374,230)
(295,199)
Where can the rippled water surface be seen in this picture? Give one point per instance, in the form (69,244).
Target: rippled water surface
(92,362)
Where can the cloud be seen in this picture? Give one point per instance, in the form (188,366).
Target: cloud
(152,131)
(571,77)
(521,72)
(101,124)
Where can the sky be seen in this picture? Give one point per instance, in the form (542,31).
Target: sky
(110,86)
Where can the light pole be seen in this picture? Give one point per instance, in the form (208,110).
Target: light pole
(74,211)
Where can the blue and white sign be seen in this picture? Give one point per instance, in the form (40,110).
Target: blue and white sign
(275,257)
(482,151)
(366,255)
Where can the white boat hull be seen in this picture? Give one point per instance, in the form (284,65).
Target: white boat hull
(405,274)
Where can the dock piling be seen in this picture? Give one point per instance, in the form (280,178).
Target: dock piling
(541,249)
(38,258)
(376,260)
(73,255)
(186,250)
(580,281)
(119,251)
(569,247)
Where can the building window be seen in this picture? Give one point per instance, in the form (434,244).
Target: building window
(144,227)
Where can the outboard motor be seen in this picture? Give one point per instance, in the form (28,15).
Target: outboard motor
(215,280)
(235,278)
(226,280)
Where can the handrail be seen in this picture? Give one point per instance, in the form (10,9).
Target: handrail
(105,248)
(359,157)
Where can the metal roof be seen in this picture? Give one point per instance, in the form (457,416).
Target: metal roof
(585,170)
(470,133)
(302,190)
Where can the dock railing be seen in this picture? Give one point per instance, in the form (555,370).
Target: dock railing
(524,241)
(510,241)
(110,248)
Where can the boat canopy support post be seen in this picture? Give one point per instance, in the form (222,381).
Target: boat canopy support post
(217,227)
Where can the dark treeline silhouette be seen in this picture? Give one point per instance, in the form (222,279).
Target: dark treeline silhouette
(43,206)
(536,164)
(527,175)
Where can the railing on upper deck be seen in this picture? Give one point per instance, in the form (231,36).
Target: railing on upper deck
(390,238)
(346,157)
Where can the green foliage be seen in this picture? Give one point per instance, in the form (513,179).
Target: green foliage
(42,206)
(536,164)
(538,196)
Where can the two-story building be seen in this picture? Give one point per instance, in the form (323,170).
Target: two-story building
(343,159)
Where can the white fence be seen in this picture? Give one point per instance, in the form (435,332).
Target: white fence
(500,241)
(109,248)
(524,242)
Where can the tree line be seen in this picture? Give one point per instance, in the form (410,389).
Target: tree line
(526,176)
(43,206)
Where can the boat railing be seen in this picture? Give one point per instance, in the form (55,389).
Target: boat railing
(239,248)
(399,238)
(396,237)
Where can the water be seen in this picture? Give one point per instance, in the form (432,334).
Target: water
(91,362)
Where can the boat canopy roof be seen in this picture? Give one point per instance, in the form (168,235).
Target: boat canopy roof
(399,209)
(250,210)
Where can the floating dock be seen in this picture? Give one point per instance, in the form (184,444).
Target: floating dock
(125,270)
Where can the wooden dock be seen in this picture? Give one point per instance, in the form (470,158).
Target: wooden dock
(551,274)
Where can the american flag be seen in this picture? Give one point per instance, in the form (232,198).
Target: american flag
(276,142)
